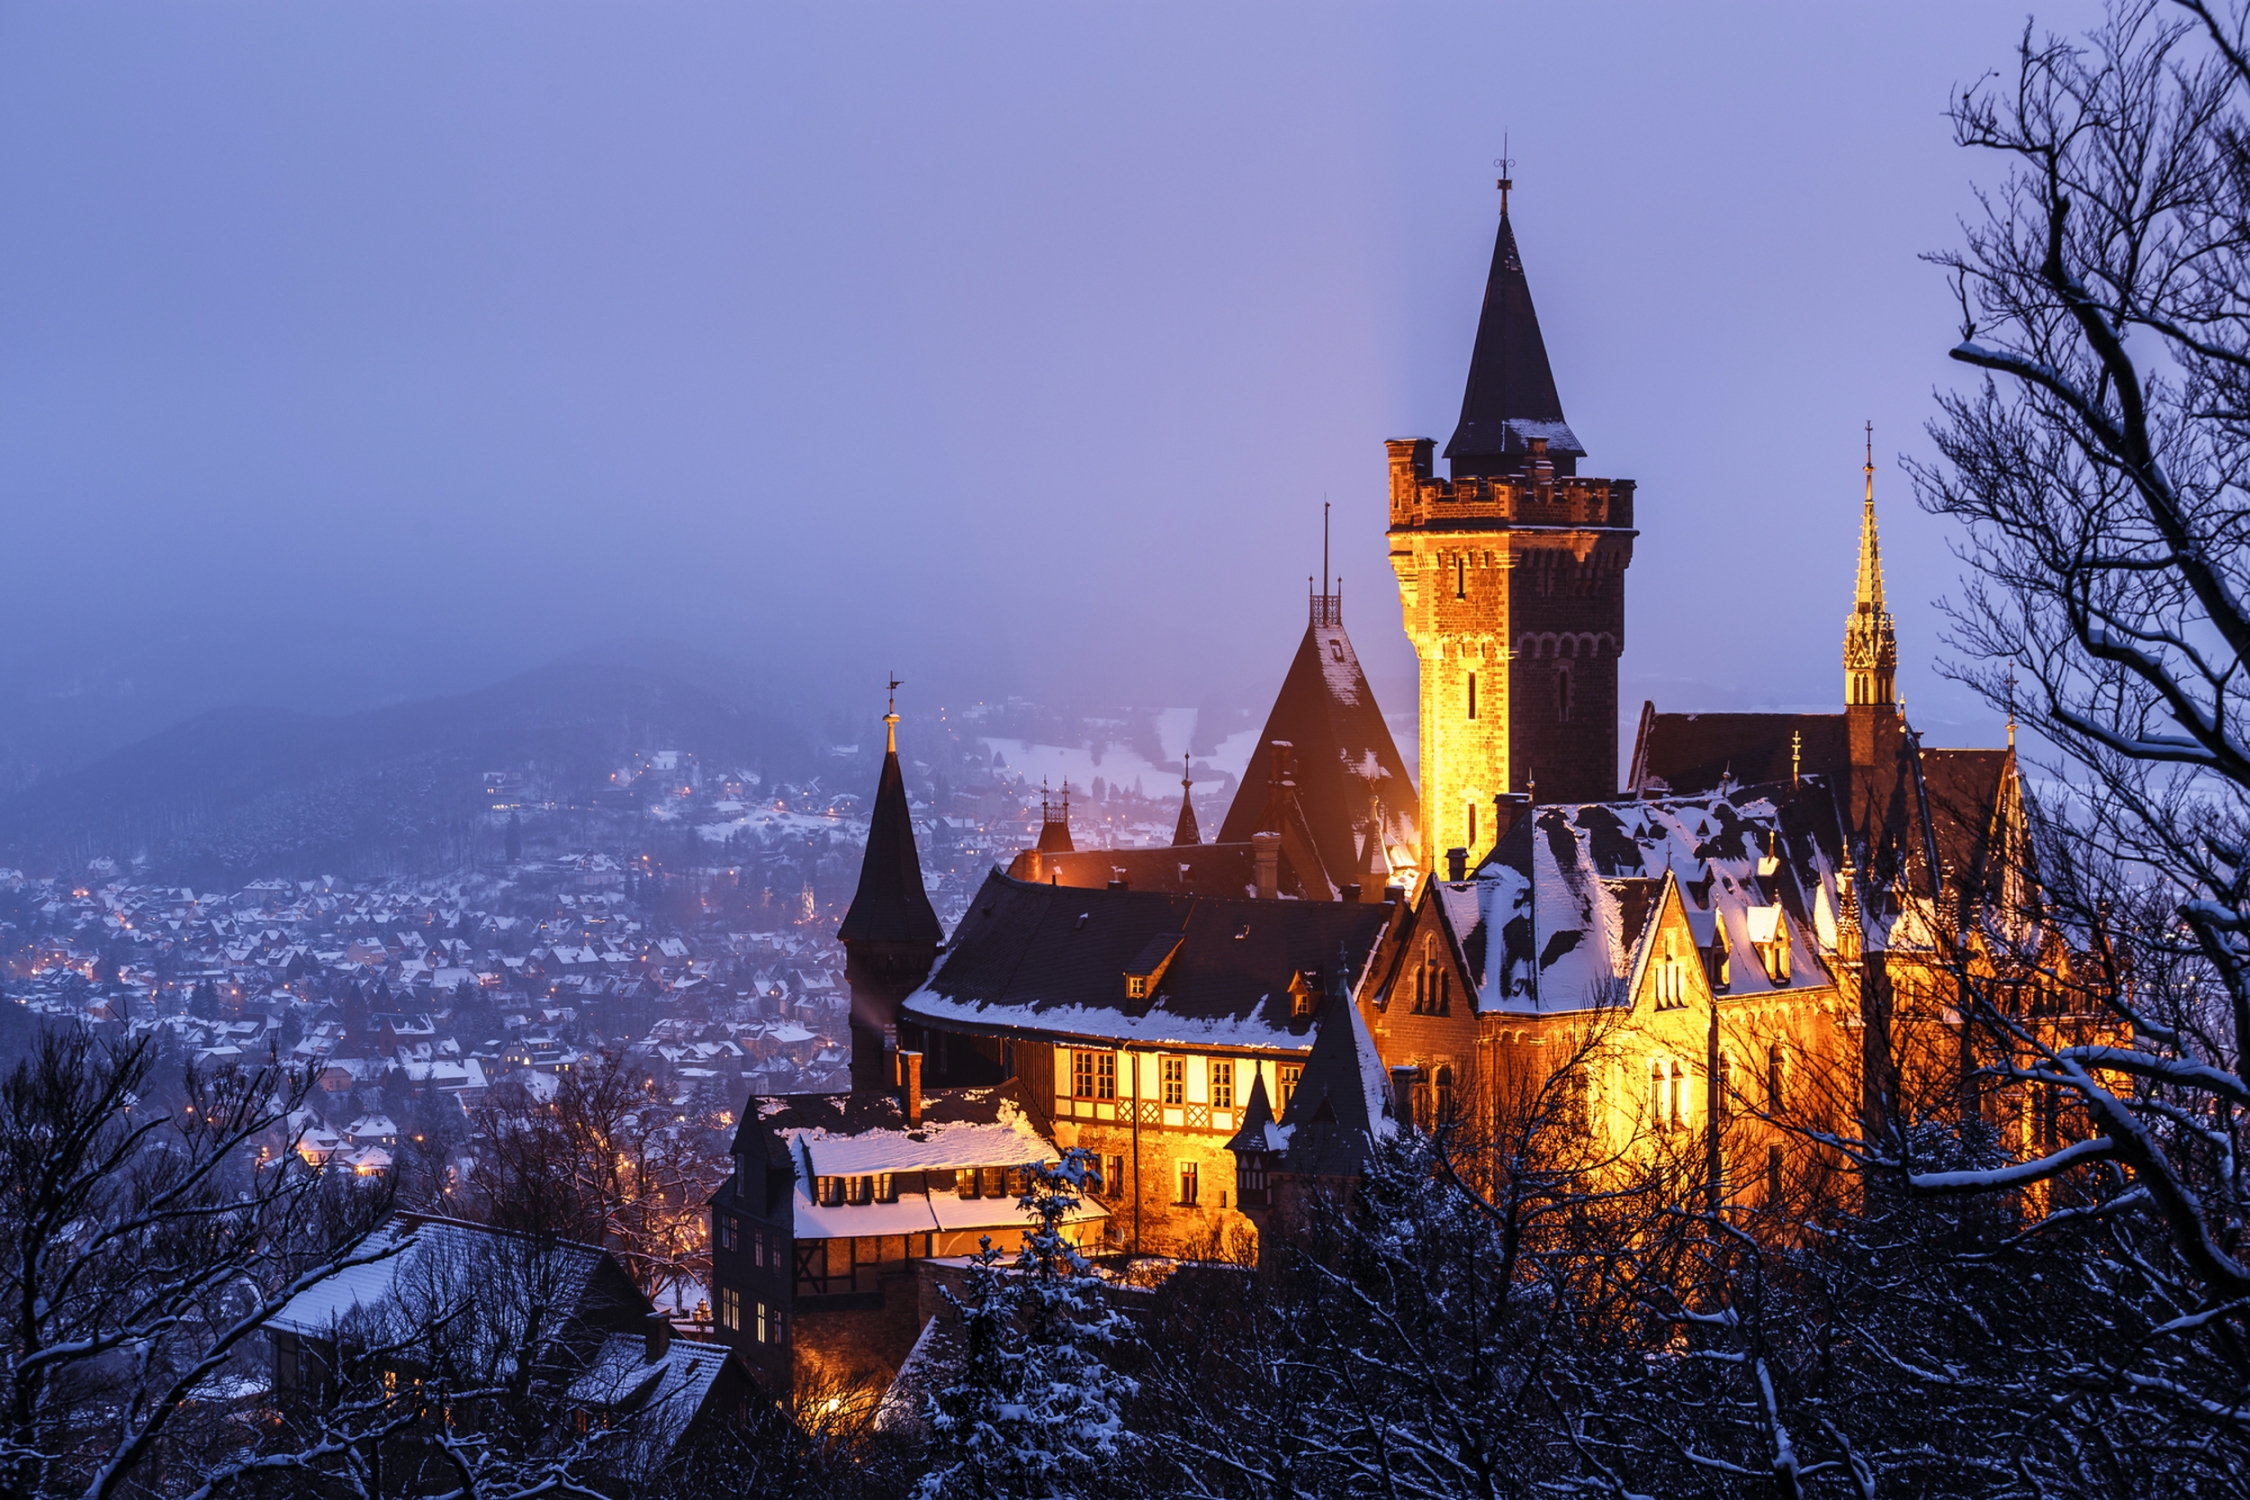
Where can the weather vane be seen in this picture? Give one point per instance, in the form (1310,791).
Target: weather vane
(1506,164)
(890,717)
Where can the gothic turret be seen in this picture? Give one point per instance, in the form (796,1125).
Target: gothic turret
(891,934)
(1870,644)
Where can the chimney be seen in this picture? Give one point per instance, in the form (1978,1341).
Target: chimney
(911,1064)
(1265,849)
(1348,893)
(1456,865)
(658,1331)
(1506,808)
(1542,467)
(1394,895)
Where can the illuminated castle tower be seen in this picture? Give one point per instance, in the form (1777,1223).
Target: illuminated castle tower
(1512,578)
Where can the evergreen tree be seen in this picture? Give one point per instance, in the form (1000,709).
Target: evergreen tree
(203,1002)
(1029,1407)
(515,838)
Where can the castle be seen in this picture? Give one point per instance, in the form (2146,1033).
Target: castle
(1750,930)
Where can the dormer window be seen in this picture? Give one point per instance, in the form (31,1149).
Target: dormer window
(1146,970)
(1769,934)
(1304,993)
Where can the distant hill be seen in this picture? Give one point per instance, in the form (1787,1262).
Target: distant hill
(235,792)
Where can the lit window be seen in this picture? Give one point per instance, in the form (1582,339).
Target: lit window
(1174,1073)
(1093,1075)
(1222,1085)
(1187,1183)
(762,1325)
(1287,1075)
(1136,986)
(730,1309)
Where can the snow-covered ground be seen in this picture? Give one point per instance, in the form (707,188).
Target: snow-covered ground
(1120,765)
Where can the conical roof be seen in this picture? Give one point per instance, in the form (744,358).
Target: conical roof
(1344,758)
(1342,1104)
(1511,396)
(1185,832)
(891,905)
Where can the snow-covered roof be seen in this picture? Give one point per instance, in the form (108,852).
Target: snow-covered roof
(1556,918)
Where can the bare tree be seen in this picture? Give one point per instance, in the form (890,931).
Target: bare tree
(142,1251)
(2097,470)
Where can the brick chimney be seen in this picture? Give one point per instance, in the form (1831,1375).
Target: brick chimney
(1456,865)
(1265,850)
(658,1330)
(910,1066)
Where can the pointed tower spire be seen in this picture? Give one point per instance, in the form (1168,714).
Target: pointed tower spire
(1186,832)
(1870,642)
(891,934)
(1510,398)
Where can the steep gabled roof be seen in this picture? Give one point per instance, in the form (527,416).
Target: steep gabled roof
(1687,754)
(1342,1105)
(1343,760)
(891,904)
(1052,960)
(1511,397)
(1556,916)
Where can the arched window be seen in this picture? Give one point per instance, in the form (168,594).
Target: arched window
(1777,1078)
(1444,991)
(1444,1093)
(1562,692)
(1723,1094)
(1659,1096)
(1679,1095)
(1578,1104)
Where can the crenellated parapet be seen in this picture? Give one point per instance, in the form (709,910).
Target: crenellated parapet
(1537,498)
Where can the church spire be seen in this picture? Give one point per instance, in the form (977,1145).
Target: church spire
(1186,832)
(1870,643)
(1510,398)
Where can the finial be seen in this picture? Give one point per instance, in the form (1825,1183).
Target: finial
(1870,462)
(1506,164)
(1796,755)
(1530,790)
(890,720)
(1187,773)
(1324,550)
(2011,705)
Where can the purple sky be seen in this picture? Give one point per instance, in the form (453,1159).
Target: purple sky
(1013,347)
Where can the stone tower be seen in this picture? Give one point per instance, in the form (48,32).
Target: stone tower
(891,934)
(1511,575)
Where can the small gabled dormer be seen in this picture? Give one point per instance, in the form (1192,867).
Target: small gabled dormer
(1769,935)
(1146,971)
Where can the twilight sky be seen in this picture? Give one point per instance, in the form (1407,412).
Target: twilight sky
(364,350)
